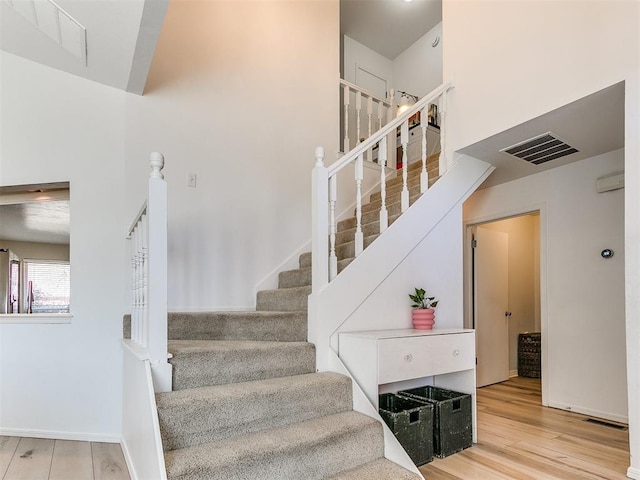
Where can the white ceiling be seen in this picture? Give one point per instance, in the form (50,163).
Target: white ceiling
(593,125)
(388,27)
(35,213)
(120,38)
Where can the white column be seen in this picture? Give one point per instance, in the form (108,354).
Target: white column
(442,160)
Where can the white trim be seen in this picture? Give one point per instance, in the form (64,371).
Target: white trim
(542,208)
(35,318)
(590,412)
(60,435)
(633,473)
(513,373)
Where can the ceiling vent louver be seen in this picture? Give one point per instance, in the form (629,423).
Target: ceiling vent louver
(540,149)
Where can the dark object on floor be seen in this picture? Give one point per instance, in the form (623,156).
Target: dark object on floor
(529,355)
(452,426)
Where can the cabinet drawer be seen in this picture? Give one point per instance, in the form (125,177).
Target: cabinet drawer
(413,357)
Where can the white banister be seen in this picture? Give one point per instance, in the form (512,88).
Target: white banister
(148,234)
(324,184)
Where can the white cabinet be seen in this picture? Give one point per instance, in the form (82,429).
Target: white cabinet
(444,358)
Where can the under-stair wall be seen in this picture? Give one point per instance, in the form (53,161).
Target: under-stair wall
(422,248)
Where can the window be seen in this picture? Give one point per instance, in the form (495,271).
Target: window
(46,286)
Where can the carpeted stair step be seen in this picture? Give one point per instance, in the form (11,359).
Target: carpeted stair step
(200,363)
(314,449)
(380,469)
(413,185)
(392,209)
(348,249)
(392,199)
(305,260)
(372,228)
(294,278)
(258,326)
(344,263)
(283,299)
(201,415)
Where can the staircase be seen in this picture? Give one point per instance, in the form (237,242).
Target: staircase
(247,401)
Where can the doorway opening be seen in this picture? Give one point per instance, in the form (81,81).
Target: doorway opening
(505,297)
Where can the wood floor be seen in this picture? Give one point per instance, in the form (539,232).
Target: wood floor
(44,459)
(520,439)
(517,439)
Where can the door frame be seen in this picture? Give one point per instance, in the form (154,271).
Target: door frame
(469,223)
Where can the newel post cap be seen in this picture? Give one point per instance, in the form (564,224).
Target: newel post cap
(157,164)
(319,156)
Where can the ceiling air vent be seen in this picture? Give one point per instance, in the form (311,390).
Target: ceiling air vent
(540,149)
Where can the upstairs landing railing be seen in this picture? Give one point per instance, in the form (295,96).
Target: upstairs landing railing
(324,183)
(363,113)
(148,235)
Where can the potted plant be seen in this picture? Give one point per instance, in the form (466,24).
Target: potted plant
(423,314)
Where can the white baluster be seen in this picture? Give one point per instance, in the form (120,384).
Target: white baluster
(382,160)
(358,110)
(134,291)
(381,114)
(369,125)
(333,197)
(404,140)
(442,160)
(345,100)
(424,175)
(359,238)
(144,277)
(138,268)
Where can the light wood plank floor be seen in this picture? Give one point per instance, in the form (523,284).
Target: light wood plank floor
(45,459)
(520,439)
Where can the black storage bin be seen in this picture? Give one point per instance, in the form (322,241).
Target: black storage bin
(411,421)
(529,355)
(452,426)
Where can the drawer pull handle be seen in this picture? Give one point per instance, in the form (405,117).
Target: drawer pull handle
(456,353)
(408,358)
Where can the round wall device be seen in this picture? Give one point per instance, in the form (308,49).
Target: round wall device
(606,253)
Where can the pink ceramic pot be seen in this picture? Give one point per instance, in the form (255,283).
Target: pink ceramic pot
(423,318)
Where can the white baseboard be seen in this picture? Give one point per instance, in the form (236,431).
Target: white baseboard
(58,435)
(270,281)
(590,412)
(633,473)
(128,460)
(513,373)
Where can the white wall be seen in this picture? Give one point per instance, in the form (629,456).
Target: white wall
(240,94)
(418,69)
(586,46)
(583,297)
(356,55)
(64,380)
(523,288)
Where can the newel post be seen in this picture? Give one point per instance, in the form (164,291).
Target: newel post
(320,223)
(157,275)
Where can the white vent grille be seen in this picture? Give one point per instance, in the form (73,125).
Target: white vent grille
(540,149)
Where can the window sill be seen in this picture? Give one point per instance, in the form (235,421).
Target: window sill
(35,318)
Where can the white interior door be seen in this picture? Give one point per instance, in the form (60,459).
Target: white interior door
(491,303)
